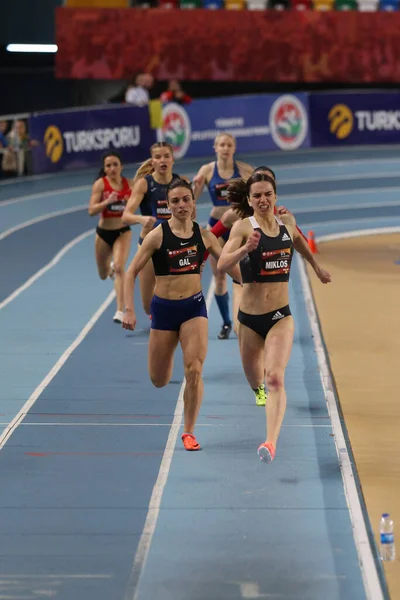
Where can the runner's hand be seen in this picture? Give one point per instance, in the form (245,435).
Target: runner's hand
(253,241)
(129,320)
(282,210)
(148,223)
(113,197)
(323,275)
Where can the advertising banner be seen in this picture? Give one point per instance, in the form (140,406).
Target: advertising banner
(259,123)
(355,118)
(77,139)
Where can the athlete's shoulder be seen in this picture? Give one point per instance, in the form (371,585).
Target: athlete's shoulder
(155,237)
(98,185)
(245,169)
(207,169)
(288,219)
(141,185)
(241,227)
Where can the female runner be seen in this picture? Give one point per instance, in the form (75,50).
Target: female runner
(110,194)
(178,308)
(263,244)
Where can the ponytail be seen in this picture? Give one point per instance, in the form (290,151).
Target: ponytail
(101,173)
(145,169)
(237,196)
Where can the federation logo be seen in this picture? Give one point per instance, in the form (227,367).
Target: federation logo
(288,122)
(54,144)
(176,129)
(341,121)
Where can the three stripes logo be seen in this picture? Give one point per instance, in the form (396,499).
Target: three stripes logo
(285,238)
(277,315)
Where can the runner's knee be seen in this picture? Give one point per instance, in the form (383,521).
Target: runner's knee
(193,372)
(274,379)
(160,380)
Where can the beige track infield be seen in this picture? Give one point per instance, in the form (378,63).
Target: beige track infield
(360,320)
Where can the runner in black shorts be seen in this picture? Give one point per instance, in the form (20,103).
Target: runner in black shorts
(263,244)
(110,194)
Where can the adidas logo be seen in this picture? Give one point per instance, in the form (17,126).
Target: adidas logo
(277,315)
(285,237)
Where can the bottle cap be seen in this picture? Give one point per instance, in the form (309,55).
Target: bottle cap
(385,515)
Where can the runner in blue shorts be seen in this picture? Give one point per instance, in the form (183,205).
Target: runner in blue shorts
(178,308)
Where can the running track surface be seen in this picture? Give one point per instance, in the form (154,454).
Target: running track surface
(98,499)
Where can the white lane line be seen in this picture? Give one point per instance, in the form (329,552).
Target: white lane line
(350,222)
(53,372)
(139,562)
(46,268)
(68,190)
(337,163)
(345,207)
(71,424)
(366,558)
(323,193)
(55,576)
(330,237)
(349,177)
(57,213)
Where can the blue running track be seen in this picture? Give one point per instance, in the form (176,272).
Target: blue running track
(98,500)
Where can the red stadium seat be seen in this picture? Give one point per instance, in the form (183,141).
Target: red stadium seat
(302,4)
(168,3)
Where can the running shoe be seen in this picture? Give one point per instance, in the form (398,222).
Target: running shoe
(266,452)
(118,317)
(225,332)
(261,395)
(190,443)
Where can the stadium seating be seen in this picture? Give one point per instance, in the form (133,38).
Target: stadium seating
(257,4)
(324,4)
(302,4)
(235,4)
(213,4)
(346,5)
(168,3)
(191,4)
(389,5)
(279,4)
(262,5)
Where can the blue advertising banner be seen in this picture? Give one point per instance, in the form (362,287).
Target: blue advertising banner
(76,139)
(259,123)
(355,118)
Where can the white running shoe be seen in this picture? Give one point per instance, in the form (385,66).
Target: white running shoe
(118,317)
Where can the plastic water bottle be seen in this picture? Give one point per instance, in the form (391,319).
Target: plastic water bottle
(386,530)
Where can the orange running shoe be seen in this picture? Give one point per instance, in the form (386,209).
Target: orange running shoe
(190,442)
(266,452)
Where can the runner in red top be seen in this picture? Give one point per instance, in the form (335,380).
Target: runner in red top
(110,193)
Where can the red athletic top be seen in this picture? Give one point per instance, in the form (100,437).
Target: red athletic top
(115,209)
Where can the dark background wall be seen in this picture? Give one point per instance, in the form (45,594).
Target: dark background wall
(27,82)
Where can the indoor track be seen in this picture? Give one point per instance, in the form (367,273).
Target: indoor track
(99,500)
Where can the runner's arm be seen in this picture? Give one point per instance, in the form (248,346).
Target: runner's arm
(138,191)
(96,205)
(214,248)
(151,243)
